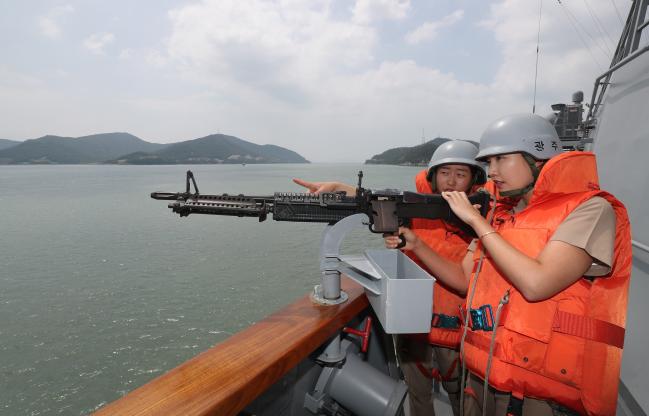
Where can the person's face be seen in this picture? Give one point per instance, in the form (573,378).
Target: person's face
(453,178)
(509,171)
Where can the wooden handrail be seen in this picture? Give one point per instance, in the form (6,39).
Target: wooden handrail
(226,378)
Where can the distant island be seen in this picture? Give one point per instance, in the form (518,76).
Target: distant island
(409,156)
(4,143)
(127,149)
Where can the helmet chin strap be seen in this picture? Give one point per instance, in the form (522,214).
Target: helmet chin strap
(474,177)
(432,179)
(516,193)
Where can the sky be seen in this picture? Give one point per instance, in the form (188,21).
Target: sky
(334,80)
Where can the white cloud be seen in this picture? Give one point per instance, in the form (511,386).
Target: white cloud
(428,31)
(282,48)
(125,53)
(62,10)
(155,58)
(312,83)
(367,11)
(299,74)
(49,27)
(11,79)
(49,24)
(29,104)
(96,42)
(565,63)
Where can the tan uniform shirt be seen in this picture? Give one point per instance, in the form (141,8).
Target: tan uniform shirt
(590,226)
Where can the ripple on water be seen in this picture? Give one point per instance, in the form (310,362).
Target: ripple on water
(141,371)
(91,374)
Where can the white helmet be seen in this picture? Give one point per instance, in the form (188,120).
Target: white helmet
(457,152)
(525,133)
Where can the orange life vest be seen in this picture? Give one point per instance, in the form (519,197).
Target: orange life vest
(447,242)
(568,348)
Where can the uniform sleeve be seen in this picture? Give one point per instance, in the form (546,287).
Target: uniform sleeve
(591,226)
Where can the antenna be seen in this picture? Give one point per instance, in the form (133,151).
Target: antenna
(536,68)
(575,23)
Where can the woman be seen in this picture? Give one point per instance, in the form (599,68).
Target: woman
(547,280)
(451,168)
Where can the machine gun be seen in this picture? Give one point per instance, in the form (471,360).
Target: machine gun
(386,209)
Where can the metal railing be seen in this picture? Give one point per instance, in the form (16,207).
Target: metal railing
(639,245)
(627,50)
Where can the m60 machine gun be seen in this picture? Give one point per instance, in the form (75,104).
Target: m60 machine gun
(399,291)
(386,209)
(383,211)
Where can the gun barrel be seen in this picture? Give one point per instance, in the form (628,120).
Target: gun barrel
(234,205)
(168,196)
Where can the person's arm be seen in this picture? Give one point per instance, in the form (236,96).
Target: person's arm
(558,266)
(454,275)
(320,187)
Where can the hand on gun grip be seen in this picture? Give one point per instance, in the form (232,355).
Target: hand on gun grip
(389,240)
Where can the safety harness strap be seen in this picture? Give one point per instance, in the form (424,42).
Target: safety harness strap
(436,374)
(515,406)
(445,321)
(570,324)
(588,328)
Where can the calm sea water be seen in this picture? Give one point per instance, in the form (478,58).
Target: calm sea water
(103,289)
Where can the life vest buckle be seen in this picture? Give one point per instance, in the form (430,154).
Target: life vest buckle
(445,321)
(482,319)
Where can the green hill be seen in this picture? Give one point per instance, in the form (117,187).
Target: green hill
(124,148)
(410,156)
(417,155)
(47,149)
(5,144)
(216,148)
(68,150)
(112,145)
